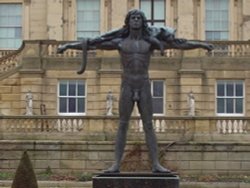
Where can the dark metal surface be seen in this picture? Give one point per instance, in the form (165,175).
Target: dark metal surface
(136,180)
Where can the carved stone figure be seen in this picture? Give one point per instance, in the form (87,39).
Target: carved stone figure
(109,104)
(29,103)
(135,43)
(191,104)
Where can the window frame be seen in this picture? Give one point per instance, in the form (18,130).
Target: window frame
(14,26)
(227,30)
(67,96)
(90,31)
(163,96)
(224,82)
(151,20)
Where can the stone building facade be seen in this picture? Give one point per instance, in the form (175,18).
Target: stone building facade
(39,69)
(56,20)
(71,107)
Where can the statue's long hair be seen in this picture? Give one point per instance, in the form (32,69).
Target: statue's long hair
(145,28)
(123,32)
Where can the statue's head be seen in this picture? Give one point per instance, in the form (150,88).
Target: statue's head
(136,11)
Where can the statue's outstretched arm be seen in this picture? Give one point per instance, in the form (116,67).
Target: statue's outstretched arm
(184,44)
(89,44)
(92,44)
(113,44)
(71,45)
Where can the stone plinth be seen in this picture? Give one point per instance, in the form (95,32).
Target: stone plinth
(136,180)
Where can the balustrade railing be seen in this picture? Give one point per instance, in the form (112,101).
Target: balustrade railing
(232,126)
(9,60)
(43,124)
(4,53)
(221,49)
(230,49)
(81,124)
(52,46)
(163,125)
(39,124)
(50,49)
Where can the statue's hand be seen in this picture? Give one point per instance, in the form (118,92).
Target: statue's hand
(61,49)
(209,47)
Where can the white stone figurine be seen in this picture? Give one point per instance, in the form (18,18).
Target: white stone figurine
(191,104)
(29,103)
(109,103)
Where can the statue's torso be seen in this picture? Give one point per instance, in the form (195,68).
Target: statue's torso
(135,58)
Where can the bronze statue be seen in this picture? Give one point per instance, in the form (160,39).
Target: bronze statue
(135,42)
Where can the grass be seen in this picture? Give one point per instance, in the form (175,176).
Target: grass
(6,175)
(45,176)
(63,177)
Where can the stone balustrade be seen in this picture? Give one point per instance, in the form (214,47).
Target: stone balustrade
(4,53)
(221,49)
(232,126)
(97,124)
(51,50)
(9,60)
(163,125)
(52,46)
(230,49)
(37,124)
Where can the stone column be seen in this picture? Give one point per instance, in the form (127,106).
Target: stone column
(246,19)
(185,19)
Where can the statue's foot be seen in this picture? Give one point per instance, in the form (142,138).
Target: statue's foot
(160,169)
(113,169)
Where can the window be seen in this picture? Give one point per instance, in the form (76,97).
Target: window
(72,97)
(88,18)
(157,90)
(10,25)
(230,97)
(154,11)
(217,24)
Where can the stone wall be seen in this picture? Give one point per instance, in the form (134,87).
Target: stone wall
(95,156)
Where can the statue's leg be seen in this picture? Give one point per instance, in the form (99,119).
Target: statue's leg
(125,109)
(146,111)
